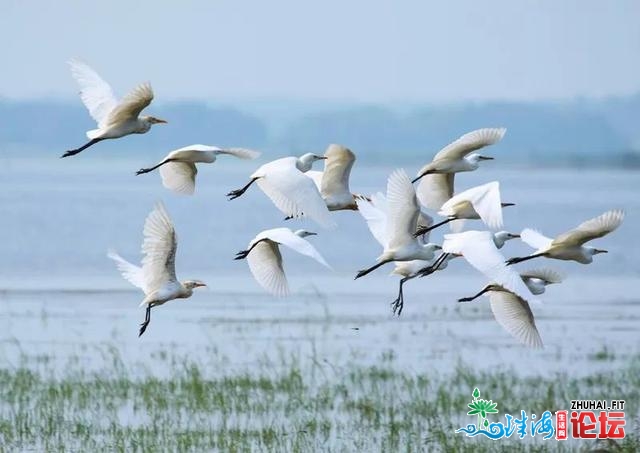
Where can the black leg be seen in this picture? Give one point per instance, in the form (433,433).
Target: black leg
(398,304)
(242,254)
(147,170)
(423,230)
(147,320)
(364,272)
(236,193)
(469,299)
(73,152)
(523,258)
(434,267)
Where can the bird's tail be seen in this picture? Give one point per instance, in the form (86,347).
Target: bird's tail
(93,133)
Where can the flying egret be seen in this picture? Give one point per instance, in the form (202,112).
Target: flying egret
(569,246)
(333,182)
(455,157)
(293,193)
(265,260)
(480,202)
(413,269)
(115,118)
(157,276)
(535,279)
(178,169)
(401,220)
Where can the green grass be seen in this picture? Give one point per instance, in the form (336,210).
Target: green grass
(295,407)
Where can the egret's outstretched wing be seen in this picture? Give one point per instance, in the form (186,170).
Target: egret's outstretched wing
(402,208)
(316,176)
(159,249)
(470,142)
(96,94)
(295,194)
(592,229)
(480,251)
(514,315)
(485,199)
(240,153)
(337,168)
(375,216)
(286,237)
(434,190)
(265,263)
(197,152)
(543,273)
(535,239)
(179,177)
(131,105)
(132,273)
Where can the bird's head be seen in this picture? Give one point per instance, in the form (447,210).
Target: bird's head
(153,120)
(475,158)
(304,233)
(596,251)
(307,160)
(190,284)
(501,237)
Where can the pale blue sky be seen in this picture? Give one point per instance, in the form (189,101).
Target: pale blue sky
(380,51)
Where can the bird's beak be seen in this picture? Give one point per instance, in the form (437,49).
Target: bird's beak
(309,233)
(485,158)
(438,247)
(158,120)
(201,284)
(515,236)
(600,251)
(321,157)
(504,205)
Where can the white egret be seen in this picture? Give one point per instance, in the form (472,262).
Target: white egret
(178,169)
(333,182)
(265,260)
(400,225)
(293,193)
(480,202)
(535,279)
(455,157)
(115,118)
(570,246)
(157,276)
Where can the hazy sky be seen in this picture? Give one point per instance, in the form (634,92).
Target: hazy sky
(330,49)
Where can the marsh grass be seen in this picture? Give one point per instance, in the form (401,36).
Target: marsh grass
(298,407)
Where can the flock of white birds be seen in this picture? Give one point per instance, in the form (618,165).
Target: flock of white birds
(398,219)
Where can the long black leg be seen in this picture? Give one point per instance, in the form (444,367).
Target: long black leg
(147,320)
(523,258)
(434,267)
(364,272)
(73,152)
(242,254)
(398,304)
(422,230)
(236,193)
(480,293)
(147,170)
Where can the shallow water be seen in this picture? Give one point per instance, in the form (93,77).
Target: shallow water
(61,296)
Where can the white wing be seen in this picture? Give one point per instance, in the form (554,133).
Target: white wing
(337,168)
(592,229)
(543,273)
(294,193)
(203,153)
(286,237)
(131,105)
(485,199)
(265,263)
(96,94)
(470,142)
(480,251)
(535,239)
(240,153)
(375,214)
(435,189)
(130,272)
(402,211)
(179,177)
(316,176)
(159,249)
(514,315)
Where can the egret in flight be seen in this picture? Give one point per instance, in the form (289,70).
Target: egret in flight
(178,169)
(397,232)
(157,276)
(570,246)
(115,118)
(480,202)
(535,279)
(265,260)
(285,183)
(333,182)
(456,157)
